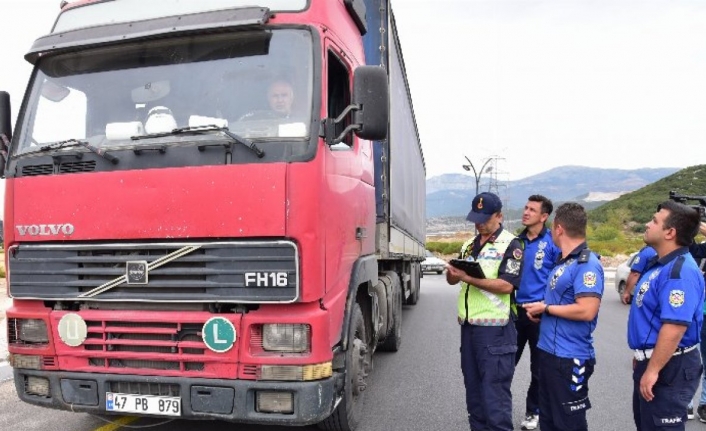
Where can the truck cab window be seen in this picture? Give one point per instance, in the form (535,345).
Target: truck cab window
(104,94)
(60,114)
(339,96)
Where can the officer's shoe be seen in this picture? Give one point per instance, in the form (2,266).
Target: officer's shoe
(532,420)
(690,412)
(701,412)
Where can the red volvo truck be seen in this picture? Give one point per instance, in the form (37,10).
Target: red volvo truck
(212,210)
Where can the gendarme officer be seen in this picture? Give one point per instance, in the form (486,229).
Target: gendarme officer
(488,335)
(665,322)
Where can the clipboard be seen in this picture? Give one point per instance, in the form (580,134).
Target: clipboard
(470,267)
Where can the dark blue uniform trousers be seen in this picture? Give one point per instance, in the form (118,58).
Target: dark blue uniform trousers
(528,333)
(488,364)
(675,387)
(563,392)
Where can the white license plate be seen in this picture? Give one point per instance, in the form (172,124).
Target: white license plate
(144,404)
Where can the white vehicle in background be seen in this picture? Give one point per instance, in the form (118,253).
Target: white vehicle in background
(622,272)
(433,263)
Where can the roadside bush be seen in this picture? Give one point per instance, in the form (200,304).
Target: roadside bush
(606,233)
(452,248)
(613,247)
(638,228)
(444,247)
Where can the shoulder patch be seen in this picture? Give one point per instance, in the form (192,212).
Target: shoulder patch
(584,255)
(517,254)
(676,298)
(675,273)
(589,279)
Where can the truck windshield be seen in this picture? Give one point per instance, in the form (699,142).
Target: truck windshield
(256,83)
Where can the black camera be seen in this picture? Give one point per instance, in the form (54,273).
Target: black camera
(685,199)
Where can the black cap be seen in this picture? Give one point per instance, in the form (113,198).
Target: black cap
(483,206)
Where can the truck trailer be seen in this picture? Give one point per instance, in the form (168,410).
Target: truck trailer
(213,210)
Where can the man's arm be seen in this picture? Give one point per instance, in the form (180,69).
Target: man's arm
(667,341)
(494,285)
(584,309)
(629,287)
(452,276)
(508,273)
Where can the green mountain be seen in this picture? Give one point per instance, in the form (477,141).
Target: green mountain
(639,206)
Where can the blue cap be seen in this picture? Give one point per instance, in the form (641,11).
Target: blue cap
(483,206)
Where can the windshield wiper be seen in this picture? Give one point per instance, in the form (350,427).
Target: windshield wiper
(199,130)
(74,143)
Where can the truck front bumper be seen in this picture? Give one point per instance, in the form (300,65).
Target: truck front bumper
(228,400)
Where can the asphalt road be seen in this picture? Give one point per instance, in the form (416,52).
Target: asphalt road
(417,388)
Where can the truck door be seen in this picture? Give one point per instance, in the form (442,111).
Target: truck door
(349,192)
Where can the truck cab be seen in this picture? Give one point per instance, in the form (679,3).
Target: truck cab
(200,212)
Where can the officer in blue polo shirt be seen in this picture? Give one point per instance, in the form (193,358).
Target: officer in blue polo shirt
(539,258)
(569,315)
(665,322)
(638,265)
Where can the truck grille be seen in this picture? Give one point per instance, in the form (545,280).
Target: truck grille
(63,168)
(178,346)
(254,272)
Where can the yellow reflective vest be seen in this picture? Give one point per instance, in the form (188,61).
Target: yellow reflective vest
(478,306)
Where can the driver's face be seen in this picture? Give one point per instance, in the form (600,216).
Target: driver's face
(280,96)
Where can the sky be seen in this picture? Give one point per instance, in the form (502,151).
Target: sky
(532,84)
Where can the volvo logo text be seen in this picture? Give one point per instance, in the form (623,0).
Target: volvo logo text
(45,229)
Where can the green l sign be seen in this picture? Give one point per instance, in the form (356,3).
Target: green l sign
(218,334)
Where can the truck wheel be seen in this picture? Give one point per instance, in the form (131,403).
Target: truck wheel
(350,409)
(394,336)
(416,287)
(621,288)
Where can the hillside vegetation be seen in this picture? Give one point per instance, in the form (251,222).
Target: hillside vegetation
(615,228)
(637,207)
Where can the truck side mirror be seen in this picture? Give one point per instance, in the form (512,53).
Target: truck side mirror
(5,130)
(371,94)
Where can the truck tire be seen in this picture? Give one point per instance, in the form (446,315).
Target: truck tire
(394,336)
(416,287)
(350,410)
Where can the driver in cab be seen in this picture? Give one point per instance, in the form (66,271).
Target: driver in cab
(280,96)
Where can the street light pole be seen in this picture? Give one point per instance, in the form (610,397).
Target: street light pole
(476,174)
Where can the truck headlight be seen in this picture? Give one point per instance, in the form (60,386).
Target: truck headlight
(32,331)
(285,337)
